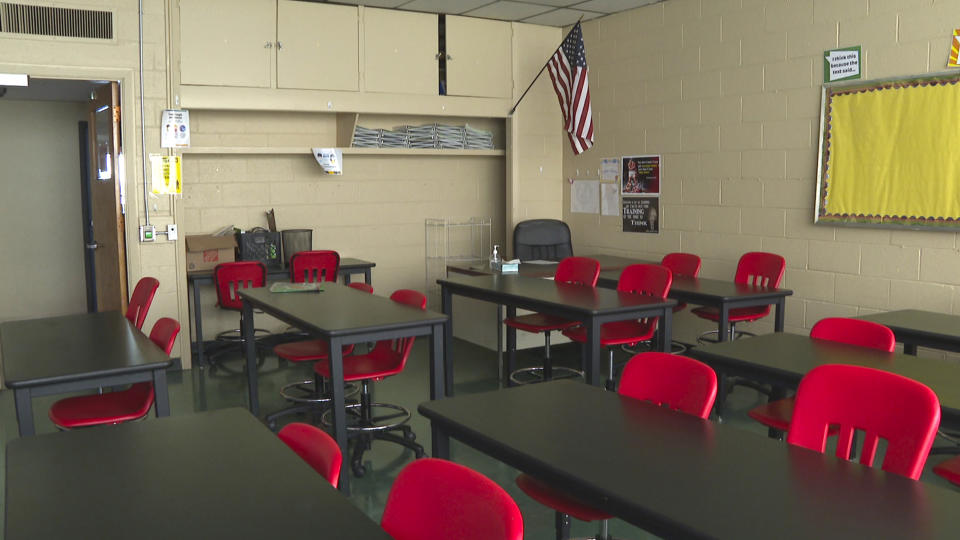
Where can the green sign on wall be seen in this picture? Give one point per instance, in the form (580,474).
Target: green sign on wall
(841,64)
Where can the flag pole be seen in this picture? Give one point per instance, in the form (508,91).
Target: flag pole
(543,68)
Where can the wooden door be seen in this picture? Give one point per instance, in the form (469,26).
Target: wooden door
(479,57)
(400,52)
(227,42)
(108,246)
(318,46)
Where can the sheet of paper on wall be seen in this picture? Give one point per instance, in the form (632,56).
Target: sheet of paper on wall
(175,126)
(585,197)
(609,168)
(331,159)
(166,175)
(610,199)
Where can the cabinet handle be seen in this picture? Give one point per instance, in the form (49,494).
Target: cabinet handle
(279,45)
(437,56)
(449,57)
(268,45)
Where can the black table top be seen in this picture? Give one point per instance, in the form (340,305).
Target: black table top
(346,263)
(75,347)
(517,290)
(919,323)
(482,268)
(676,475)
(339,310)
(219,474)
(705,290)
(788,357)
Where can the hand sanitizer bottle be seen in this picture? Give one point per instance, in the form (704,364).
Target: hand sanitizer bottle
(495,256)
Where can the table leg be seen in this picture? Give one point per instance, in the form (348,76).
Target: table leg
(910,348)
(339,411)
(436,361)
(665,333)
(21,398)
(721,395)
(367,276)
(446,306)
(724,328)
(776,393)
(440,442)
(198,324)
(500,342)
(779,315)
(161,395)
(346,278)
(593,351)
(246,330)
(511,346)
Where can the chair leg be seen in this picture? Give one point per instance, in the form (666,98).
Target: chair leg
(611,382)
(547,364)
(562,525)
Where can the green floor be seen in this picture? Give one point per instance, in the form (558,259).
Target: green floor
(476,371)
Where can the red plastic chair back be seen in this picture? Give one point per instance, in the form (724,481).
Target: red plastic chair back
(164,333)
(883,405)
(682,264)
(434,499)
(141,299)
(760,269)
(403,346)
(678,382)
(312,266)
(855,332)
(316,447)
(232,276)
(361,287)
(649,280)
(578,271)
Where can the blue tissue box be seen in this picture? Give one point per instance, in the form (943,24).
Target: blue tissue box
(506,267)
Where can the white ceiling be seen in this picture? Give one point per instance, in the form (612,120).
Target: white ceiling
(545,12)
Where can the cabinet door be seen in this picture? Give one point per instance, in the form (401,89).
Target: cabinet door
(318,46)
(480,59)
(400,50)
(227,42)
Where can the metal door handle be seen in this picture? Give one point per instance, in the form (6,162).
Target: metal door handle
(93,245)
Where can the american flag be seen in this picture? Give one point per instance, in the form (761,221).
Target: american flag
(568,70)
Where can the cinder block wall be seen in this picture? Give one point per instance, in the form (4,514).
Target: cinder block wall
(728,91)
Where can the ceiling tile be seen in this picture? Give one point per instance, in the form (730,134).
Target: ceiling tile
(444,6)
(509,11)
(562,17)
(613,6)
(556,3)
(375,3)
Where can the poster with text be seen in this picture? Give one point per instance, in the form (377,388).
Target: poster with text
(641,175)
(641,214)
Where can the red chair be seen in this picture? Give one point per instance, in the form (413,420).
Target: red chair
(311,395)
(315,447)
(777,414)
(646,279)
(229,278)
(883,405)
(949,469)
(141,299)
(678,382)
(682,265)
(573,270)
(434,499)
(312,266)
(115,407)
(755,268)
(388,357)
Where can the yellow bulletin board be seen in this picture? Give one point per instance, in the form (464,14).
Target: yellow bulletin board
(890,153)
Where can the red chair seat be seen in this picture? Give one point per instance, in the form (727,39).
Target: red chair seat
(747,314)
(539,322)
(307,351)
(776,414)
(615,333)
(949,469)
(550,498)
(107,408)
(377,364)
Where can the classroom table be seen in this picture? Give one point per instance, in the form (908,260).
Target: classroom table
(543,268)
(722,294)
(678,476)
(783,359)
(57,355)
(342,316)
(218,474)
(916,328)
(348,267)
(591,306)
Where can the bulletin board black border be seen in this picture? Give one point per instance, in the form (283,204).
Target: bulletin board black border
(824,217)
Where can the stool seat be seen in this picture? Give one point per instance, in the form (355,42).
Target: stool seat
(615,333)
(558,501)
(746,314)
(539,322)
(376,364)
(106,408)
(949,469)
(307,351)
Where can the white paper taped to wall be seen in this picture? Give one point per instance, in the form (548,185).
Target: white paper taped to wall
(610,199)
(585,197)
(331,159)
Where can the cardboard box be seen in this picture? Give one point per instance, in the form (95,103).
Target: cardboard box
(205,251)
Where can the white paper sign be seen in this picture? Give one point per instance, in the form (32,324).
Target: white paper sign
(331,159)
(166,175)
(176,129)
(610,199)
(585,197)
(844,64)
(609,168)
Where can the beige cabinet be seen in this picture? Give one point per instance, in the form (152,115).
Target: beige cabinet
(317,46)
(227,42)
(400,52)
(479,57)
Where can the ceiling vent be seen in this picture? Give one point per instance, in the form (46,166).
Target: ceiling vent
(55,21)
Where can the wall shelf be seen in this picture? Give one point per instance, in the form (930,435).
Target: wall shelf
(277,150)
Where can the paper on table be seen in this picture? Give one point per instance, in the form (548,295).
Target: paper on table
(585,197)
(538,261)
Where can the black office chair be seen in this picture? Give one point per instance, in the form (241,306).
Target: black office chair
(542,239)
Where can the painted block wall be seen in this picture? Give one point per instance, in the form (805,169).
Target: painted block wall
(728,92)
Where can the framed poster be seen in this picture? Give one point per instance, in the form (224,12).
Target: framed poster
(641,214)
(640,175)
